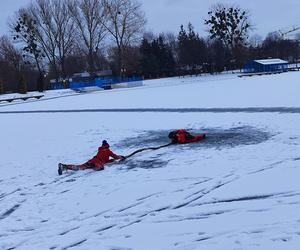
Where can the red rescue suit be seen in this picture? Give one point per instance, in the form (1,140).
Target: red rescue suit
(98,161)
(102,156)
(181,136)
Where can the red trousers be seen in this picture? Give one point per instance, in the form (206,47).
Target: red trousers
(91,164)
(87,165)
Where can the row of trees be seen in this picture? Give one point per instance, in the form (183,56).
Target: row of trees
(188,53)
(57,38)
(61,37)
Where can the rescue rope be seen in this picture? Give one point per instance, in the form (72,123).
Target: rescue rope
(150,148)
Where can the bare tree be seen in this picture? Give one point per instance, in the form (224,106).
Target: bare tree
(126,22)
(89,16)
(11,54)
(14,72)
(55,31)
(255,40)
(11,64)
(25,31)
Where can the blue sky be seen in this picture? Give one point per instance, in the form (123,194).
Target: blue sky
(168,15)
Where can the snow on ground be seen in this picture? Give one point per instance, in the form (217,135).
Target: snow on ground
(48,93)
(224,91)
(239,189)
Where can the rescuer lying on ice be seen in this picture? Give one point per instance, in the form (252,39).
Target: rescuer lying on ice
(181,136)
(96,163)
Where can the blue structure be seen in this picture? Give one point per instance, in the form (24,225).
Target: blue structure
(266,66)
(101,82)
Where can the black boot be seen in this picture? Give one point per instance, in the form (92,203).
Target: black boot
(61,168)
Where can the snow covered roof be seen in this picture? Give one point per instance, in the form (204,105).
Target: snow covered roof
(270,61)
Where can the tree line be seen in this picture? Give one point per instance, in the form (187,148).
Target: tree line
(53,39)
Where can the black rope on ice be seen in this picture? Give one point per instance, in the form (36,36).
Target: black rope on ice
(150,148)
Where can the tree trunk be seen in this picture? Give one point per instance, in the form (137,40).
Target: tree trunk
(91,62)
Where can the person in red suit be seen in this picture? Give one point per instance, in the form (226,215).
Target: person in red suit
(181,136)
(96,163)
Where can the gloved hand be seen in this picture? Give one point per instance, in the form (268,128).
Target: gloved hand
(122,158)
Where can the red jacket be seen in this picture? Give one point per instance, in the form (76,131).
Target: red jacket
(103,155)
(182,137)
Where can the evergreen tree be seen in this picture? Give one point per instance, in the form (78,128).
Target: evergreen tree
(156,58)
(182,47)
(218,57)
(149,63)
(165,57)
(192,49)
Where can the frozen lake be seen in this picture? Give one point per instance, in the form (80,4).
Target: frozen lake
(238,189)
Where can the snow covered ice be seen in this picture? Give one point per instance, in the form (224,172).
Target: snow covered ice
(239,189)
